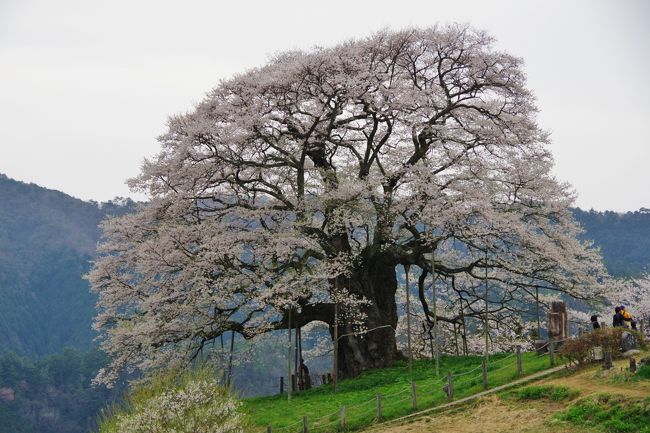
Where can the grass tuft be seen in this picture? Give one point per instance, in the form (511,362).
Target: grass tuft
(550,392)
(612,414)
(643,372)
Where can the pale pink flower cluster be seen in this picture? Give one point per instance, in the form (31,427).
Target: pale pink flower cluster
(199,407)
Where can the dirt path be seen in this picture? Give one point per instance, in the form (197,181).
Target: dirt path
(490,415)
(594,380)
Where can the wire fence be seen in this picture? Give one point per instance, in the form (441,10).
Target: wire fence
(419,395)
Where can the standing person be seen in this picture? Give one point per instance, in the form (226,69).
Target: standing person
(304,374)
(627,318)
(594,322)
(618,317)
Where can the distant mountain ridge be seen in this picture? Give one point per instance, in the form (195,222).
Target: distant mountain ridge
(48,238)
(623,238)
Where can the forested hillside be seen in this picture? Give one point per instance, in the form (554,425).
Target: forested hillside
(46,241)
(624,239)
(52,394)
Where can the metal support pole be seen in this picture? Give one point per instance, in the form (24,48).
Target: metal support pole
(486,309)
(232,348)
(485,378)
(436,353)
(408,318)
(335,361)
(539,326)
(289,384)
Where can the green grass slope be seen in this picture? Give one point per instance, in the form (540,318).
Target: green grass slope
(321,405)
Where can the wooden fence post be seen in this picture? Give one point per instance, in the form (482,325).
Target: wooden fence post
(281,385)
(450,386)
(305,429)
(342,417)
(378,407)
(324,379)
(520,369)
(414,396)
(269,429)
(485,378)
(293,383)
(551,351)
(607,360)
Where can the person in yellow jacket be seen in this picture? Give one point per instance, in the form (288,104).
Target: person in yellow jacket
(627,318)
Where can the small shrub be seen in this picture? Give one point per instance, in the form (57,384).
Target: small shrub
(579,350)
(643,372)
(194,402)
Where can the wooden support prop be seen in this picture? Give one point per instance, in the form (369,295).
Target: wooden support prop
(450,386)
(378,407)
(414,397)
(342,417)
(281,385)
(551,351)
(305,428)
(485,378)
(557,322)
(520,368)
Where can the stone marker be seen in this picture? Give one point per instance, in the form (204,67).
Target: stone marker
(558,322)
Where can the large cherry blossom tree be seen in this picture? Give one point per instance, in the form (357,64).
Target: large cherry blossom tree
(301,185)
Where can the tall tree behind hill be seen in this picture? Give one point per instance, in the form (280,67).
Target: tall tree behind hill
(46,241)
(624,239)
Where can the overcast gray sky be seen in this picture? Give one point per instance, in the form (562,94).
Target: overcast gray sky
(86,86)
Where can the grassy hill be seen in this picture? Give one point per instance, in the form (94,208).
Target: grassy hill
(321,405)
(584,401)
(560,399)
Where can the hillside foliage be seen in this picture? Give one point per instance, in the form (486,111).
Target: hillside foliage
(47,240)
(53,394)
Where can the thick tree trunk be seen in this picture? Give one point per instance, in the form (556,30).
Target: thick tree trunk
(376,348)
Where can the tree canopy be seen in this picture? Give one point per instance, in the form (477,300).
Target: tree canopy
(302,184)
